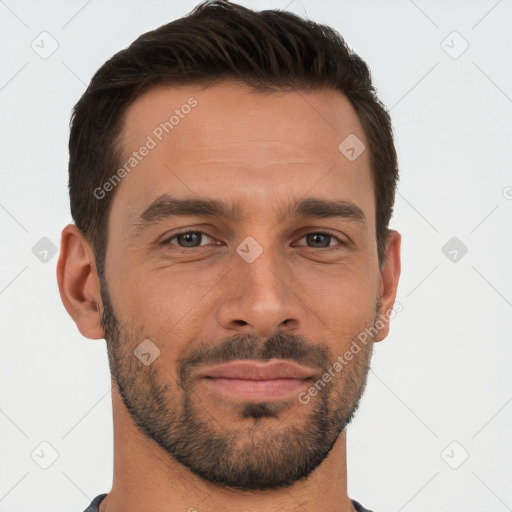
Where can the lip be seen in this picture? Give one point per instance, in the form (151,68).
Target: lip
(252,370)
(251,380)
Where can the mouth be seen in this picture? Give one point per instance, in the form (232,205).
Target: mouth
(270,380)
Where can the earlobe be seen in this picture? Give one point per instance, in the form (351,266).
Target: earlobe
(390,275)
(79,284)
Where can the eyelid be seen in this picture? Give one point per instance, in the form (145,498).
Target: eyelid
(324,232)
(174,235)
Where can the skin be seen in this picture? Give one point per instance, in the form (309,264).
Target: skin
(263,151)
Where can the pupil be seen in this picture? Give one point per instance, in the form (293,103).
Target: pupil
(190,238)
(315,237)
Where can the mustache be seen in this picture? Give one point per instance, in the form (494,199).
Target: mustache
(285,346)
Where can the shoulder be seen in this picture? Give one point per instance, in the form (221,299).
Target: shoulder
(359,507)
(95,503)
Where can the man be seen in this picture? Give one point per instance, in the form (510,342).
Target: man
(232,177)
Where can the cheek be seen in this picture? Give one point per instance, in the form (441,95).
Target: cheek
(343,301)
(173,303)
(347,288)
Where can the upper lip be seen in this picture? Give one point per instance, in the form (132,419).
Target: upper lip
(251,370)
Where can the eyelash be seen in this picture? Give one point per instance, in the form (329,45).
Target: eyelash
(198,231)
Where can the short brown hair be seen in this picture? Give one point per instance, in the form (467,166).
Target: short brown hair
(268,50)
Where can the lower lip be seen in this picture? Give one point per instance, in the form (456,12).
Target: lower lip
(257,389)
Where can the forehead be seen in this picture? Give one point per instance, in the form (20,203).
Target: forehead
(252,148)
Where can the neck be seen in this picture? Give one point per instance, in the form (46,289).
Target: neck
(147,478)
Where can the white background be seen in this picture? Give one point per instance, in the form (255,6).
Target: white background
(443,374)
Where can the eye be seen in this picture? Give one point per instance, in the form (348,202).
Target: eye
(187,239)
(192,239)
(321,239)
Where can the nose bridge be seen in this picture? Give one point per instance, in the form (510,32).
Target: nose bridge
(264,276)
(259,295)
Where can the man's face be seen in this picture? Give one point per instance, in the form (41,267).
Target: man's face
(264,283)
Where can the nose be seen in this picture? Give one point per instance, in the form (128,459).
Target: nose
(260,297)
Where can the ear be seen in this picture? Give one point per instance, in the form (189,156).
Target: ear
(79,284)
(389,277)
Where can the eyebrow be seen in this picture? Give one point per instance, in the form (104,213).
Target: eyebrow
(167,206)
